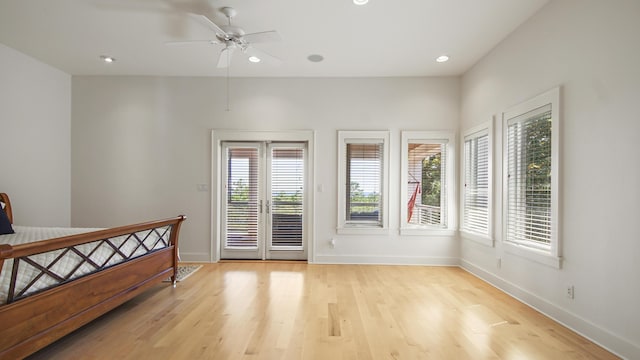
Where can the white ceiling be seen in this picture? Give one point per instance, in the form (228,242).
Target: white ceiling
(382,38)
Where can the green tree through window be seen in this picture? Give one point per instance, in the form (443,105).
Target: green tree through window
(239,191)
(431,180)
(538,137)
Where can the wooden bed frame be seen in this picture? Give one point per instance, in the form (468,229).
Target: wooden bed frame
(30,323)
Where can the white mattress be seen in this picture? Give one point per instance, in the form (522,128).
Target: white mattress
(67,264)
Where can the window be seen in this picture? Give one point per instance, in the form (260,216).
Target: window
(427,178)
(531,178)
(476,187)
(363,184)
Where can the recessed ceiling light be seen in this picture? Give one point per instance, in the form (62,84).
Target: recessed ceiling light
(442,58)
(107,59)
(254,59)
(360,2)
(315,58)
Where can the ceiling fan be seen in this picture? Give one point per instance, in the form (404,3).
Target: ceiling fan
(234,38)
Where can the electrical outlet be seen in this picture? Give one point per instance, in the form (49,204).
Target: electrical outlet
(498,263)
(570,292)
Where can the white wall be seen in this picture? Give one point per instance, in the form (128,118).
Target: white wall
(591,49)
(35,122)
(142,144)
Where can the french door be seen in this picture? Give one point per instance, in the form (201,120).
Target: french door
(263,200)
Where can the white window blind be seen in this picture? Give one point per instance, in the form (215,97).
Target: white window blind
(476,184)
(287,196)
(364,176)
(242,198)
(529,190)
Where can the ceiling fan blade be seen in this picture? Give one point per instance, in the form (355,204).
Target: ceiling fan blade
(225,57)
(191,42)
(262,56)
(211,25)
(262,37)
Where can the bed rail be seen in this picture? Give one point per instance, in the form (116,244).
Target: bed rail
(121,243)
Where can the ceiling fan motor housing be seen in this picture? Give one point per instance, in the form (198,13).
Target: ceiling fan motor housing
(234,31)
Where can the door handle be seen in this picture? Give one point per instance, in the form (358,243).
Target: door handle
(268,205)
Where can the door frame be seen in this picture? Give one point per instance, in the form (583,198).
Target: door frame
(217,137)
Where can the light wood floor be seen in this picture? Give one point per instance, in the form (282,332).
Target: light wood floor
(257,310)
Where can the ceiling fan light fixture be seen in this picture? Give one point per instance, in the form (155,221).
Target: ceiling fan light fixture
(107,59)
(360,2)
(254,59)
(442,58)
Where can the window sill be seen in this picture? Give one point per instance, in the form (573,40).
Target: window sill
(538,256)
(411,231)
(361,230)
(480,239)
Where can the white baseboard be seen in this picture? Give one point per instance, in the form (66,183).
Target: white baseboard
(194,257)
(623,348)
(386,260)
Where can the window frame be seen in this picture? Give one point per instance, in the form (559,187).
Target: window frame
(429,137)
(362,137)
(553,256)
(474,133)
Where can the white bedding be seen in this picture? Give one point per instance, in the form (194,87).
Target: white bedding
(103,255)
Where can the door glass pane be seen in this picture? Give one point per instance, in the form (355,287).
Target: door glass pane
(242,198)
(287,200)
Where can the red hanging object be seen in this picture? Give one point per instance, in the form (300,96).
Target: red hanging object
(412,202)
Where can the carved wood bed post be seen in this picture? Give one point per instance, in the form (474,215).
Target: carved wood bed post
(173,240)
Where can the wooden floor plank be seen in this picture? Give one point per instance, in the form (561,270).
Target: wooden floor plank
(282,310)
